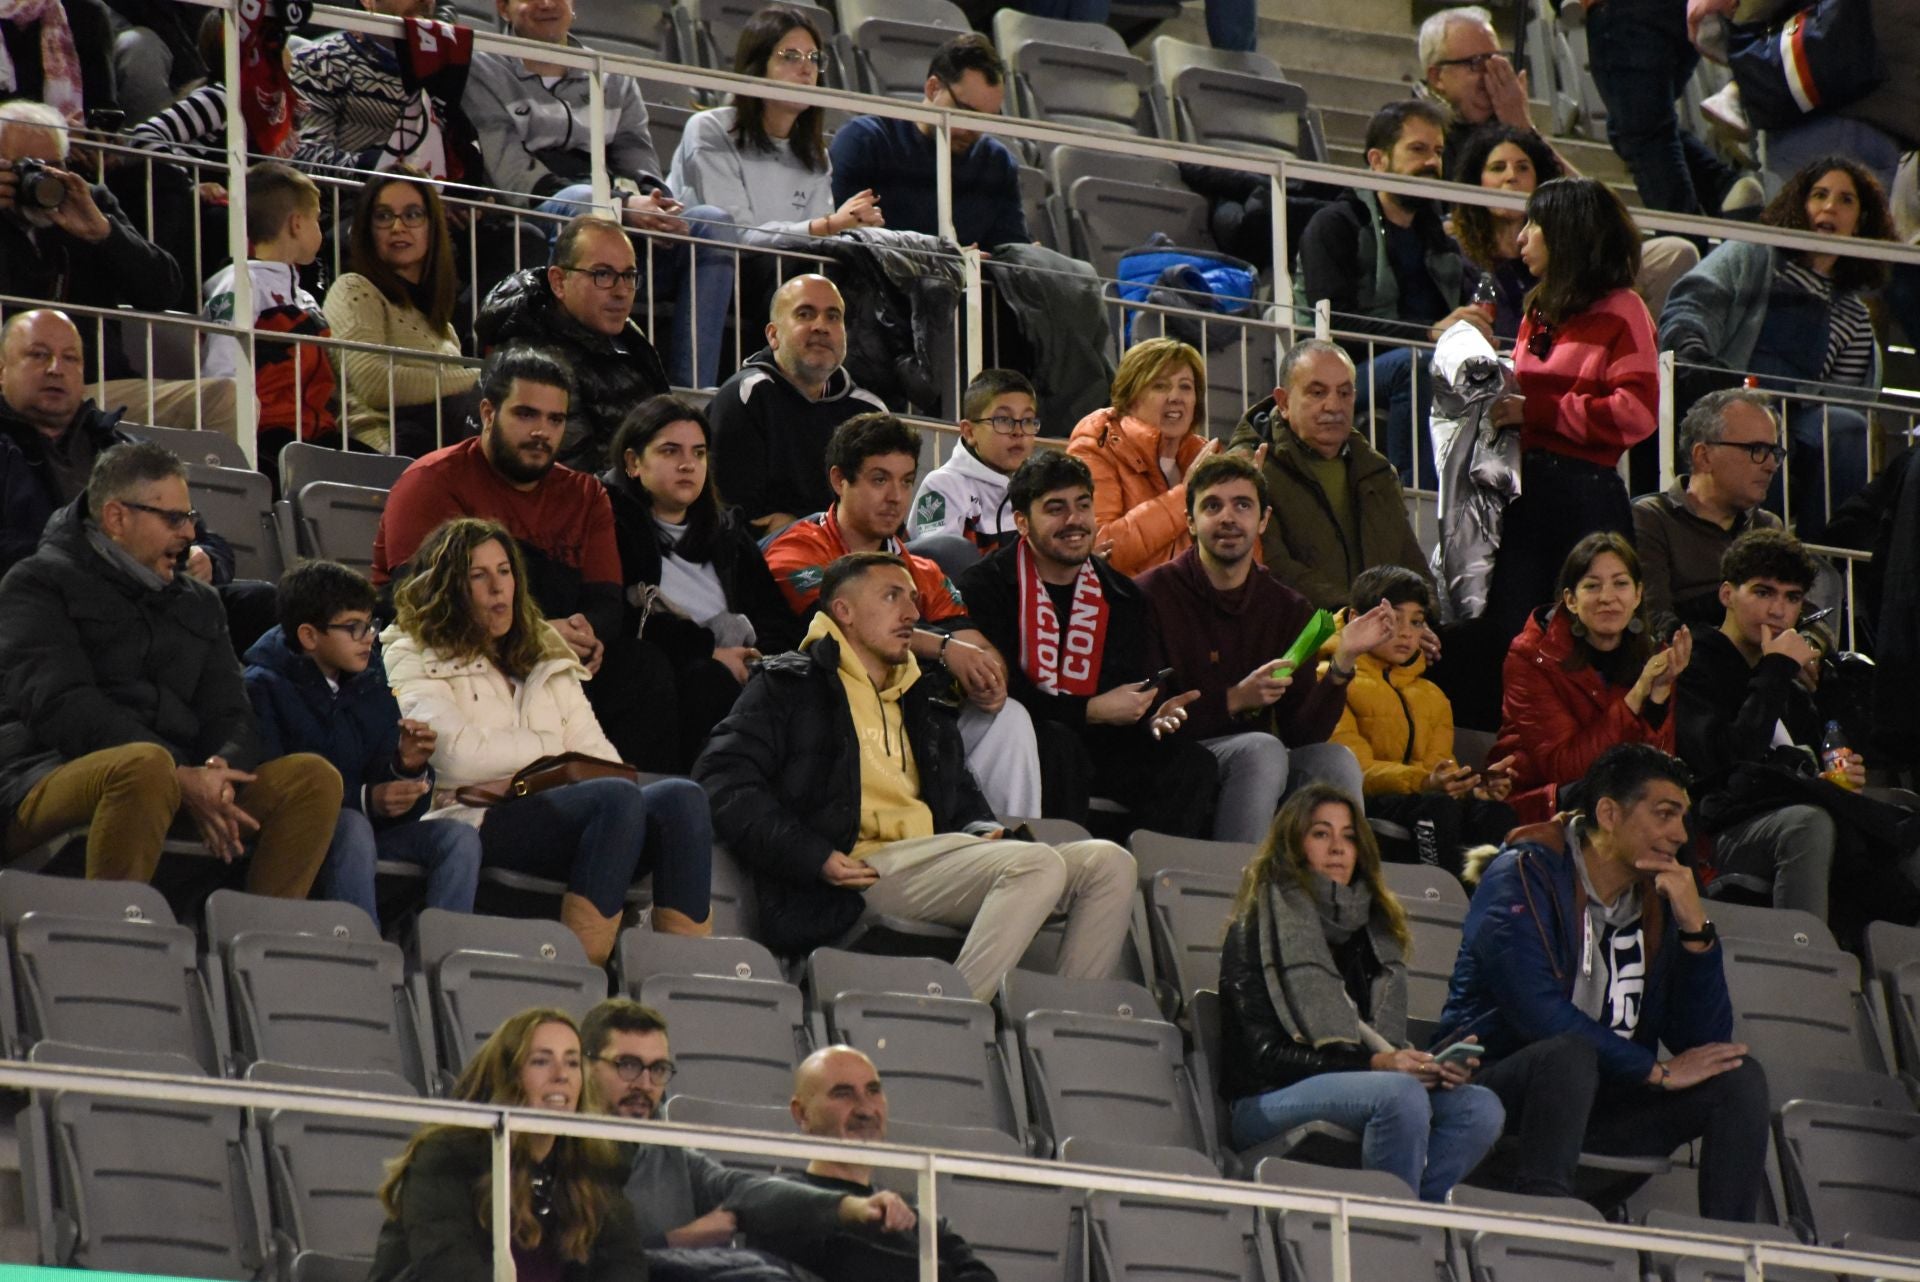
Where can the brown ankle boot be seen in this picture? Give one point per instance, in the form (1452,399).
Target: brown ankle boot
(671,921)
(597,932)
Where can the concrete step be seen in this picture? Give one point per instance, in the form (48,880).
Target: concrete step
(1383,53)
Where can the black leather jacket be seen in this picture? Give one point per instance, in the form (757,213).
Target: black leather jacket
(1259,1055)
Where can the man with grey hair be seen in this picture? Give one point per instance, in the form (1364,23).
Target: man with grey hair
(1730,441)
(1463,68)
(121,702)
(1338,507)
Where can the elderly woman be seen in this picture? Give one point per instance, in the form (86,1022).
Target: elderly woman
(1139,449)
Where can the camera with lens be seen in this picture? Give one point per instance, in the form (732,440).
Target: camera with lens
(37,186)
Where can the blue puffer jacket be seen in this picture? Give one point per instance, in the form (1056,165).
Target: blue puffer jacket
(358,729)
(1513,980)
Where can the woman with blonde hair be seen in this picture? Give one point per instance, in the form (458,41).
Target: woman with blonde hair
(1139,449)
(470,654)
(1313,987)
(569,1210)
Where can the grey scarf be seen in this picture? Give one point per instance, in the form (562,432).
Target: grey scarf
(122,560)
(1305,986)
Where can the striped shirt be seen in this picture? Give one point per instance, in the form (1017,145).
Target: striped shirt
(1850,340)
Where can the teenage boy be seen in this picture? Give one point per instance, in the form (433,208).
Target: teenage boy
(1399,727)
(294,381)
(967,494)
(317,686)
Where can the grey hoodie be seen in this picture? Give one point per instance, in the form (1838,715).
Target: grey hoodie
(771,195)
(535,138)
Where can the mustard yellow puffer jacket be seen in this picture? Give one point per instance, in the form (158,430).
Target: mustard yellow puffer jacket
(1397,723)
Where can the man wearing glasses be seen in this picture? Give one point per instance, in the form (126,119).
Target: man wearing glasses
(966,496)
(681,1197)
(121,703)
(1731,443)
(1464,69)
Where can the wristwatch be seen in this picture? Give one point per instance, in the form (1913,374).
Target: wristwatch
(1705,935)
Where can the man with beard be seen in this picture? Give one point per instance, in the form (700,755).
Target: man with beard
(1085,668)
(1386,265)
(681,1197)
(1338,509)
(561,518)
(1224,623)
(837,1095)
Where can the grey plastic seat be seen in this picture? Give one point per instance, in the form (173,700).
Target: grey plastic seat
(1239,101)
(709,30)
(238,506)
(301,464)
(667,123)
(141,1186)
(476,972)
(643,28)
(324,1171)
(1802,1011)
(1674,1268)
(311,983)
(103,963)
(886,45)
(1154,851)
(731,896)
(1850,1170)
(1771,925)
(1023,1232)
(209,447)
(643,954)
(1498,1257)
(1435,926)
(1187,916)
(1133,1238)
(1024,992)
(1321,1143)
(938,1050)
(1110,216)
(1421,884)
(694,1110)
(734,1039)
(1036,201)
(1376,1250)
(1074,73)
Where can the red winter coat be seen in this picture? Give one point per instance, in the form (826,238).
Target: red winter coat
(1555,722)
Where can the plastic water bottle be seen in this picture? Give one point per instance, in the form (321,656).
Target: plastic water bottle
(1833,756)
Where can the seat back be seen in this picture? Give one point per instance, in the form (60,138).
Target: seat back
(1499,1257)
(238,506)
(1101,1075)
(1187,916)
(1850,1170)
(833,971)
(693,1110)
(1110,216)
(1674,1268)
(208,447)
(643,28)
(1073,73)
(1133,1238)
(1414,884)
(1771,925)
(322,1002)
(734,1039)
(716,27)
(643,954)
(731,895)
(1435,926)
(1244,113)
(1023,1232)
(1155,851)
(324,1171)
(940,1057)
(1802,1012)
(1376,1250)
(302,463)
(477,972)
(339,522)
(1023,992)
(892,41)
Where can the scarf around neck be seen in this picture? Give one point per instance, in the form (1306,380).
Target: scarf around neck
(1304,984)
(59,60)
(1061,660)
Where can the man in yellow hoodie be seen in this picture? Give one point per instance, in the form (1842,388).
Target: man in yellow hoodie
(842,783)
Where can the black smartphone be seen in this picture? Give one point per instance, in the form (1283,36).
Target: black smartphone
(1157,679)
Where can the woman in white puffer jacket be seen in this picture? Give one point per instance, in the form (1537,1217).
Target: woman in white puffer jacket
(471,655)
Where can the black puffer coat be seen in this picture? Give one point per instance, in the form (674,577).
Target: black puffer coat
(611,375)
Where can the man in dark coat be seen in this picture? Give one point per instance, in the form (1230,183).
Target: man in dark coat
(121,702)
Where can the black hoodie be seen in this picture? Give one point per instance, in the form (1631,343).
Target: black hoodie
(770,440)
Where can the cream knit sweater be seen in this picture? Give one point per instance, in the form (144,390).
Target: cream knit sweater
(357,310)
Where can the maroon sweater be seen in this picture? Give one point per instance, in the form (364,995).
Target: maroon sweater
(1213,639)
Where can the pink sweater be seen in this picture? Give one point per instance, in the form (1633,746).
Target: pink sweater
(1597,390)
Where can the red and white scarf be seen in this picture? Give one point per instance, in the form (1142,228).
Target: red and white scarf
(59,60)
(1061,660)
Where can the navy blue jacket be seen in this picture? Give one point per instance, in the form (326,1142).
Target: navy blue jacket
(358,729)
(895,160)
(1513,980)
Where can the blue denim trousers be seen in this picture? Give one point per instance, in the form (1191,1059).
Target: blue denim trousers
(602,835)
(1641,61)
(448,849)
(1400,377)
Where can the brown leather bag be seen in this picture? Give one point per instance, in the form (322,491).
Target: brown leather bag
(548,772)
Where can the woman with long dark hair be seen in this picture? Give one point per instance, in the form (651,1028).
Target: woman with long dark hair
(1587,673)
(697,588)
(1313,982)
(1501,158)
(1586,364)
(470,654)
(1799,321)
(569,1209)
(399,291)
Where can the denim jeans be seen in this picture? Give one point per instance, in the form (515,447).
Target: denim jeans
(1400,376)
(1430,1139)
(1641,62)
(699,296)
(602,835)
(448,849)
(1827,450)
(1257,771)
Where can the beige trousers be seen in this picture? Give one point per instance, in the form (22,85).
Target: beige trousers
(181,403)
(1005,891)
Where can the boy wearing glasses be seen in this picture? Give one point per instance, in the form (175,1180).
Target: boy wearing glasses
(317,686)
(967,494)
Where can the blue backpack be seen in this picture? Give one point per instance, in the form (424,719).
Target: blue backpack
(1198,280)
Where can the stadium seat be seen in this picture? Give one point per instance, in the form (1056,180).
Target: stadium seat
(301,464)
(103,963)
(643,954)
(311,983)
(238,506)
(1850,1170)
(1802,1011)
(1376,1250)
(476,972)
(1497,1257)
(335,522)
(1238,101)
(324,1171)
(884,46)
(141,1186)
(708,31)
(937,1048)
(736,1037)
(1073,73)
(1322,1144)
(1187,916)
(1435,925)
(1133,1238)
(1422,884)
(1893,981)
(1674,1268)
(1023,1232)
(643,28)
(1109,216)
(953,553)
(731,897)
(208,447)
(692,1110)
(667,122)
(1154,851)
(1771,925)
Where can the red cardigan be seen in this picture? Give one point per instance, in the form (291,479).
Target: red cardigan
(1597,390)
(1555,722)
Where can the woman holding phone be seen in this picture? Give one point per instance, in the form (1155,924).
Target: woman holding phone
(1313,986)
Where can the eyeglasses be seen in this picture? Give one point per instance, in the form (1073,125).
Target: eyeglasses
(356,630)
(1758,451)
(630,1067)
(411,216)
(174,517)
(604,277)
(1008,425)
(791,56)
(1475,63)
